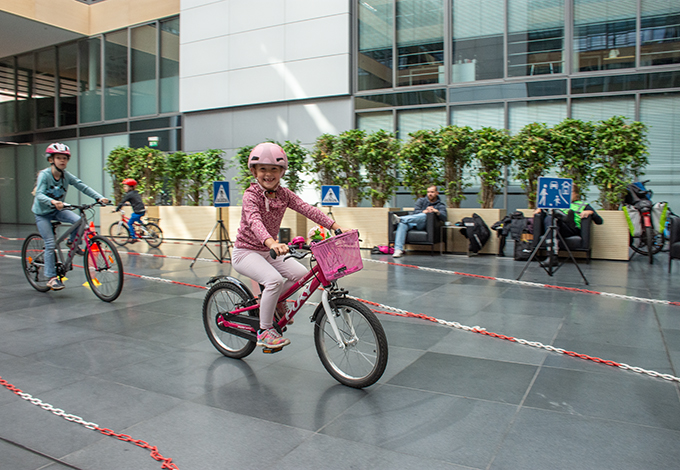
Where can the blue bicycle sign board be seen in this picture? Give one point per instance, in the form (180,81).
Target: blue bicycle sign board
(330,195)
(221,193)
(554,193)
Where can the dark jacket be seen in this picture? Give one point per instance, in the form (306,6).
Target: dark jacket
(423,203)
(135,201)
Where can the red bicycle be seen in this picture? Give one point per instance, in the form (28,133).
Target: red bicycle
(148,231)
(349,338)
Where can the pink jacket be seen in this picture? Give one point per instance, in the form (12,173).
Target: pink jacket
(261,217)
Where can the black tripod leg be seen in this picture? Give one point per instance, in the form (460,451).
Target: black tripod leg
(533,253)
(572,257)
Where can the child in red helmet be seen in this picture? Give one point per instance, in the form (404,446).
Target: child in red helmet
(264,204)
(138,208)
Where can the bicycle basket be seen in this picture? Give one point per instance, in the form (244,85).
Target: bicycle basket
(338,256)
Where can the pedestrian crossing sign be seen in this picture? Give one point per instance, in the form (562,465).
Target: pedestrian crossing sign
(221,193)
(554,193)
(330,195)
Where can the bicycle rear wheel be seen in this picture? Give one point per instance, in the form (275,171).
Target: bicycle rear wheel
(119,233)
(104,269)
(222,298)
(641,246)
(154,235)
(362,357)
(33,262)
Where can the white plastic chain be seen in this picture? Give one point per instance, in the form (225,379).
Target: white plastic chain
(58,411)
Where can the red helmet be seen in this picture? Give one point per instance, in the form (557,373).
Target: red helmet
(268,153)
(130,182)
(58,148)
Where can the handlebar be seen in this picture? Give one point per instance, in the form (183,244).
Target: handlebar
(82,207)
(293,252)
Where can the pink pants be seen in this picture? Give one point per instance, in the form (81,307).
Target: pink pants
(262,268)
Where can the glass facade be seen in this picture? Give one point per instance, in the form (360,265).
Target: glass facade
(512,62)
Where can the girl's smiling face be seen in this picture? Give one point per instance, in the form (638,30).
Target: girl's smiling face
(267,175)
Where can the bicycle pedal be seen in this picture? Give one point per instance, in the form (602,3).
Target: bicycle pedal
(271,350)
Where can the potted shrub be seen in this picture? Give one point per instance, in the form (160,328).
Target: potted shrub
(204,168)
(456,146)
(492,155)
(177,173)
(572,144)
(297,164)
(380,153)
(421,162)
(620,156)
(118,167)
(532,156)
(348,147)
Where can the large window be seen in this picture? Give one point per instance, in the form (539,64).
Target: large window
(375,44)
(604,34)
(417,119)
(25,118)
(535,37)
(169,66)
(68,85)
(548,112)
(660,32)
(90,84)
(116,75)
(477,47)
(143,70)
(371,122)
(6,96)
(420,42)
(45,87)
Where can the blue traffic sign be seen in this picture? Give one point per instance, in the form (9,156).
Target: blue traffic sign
(554,193)
(221,193)
(330,195)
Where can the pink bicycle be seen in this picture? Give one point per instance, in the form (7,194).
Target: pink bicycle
(349,338)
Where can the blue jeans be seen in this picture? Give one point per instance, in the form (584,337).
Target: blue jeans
(134,218)
(408,222)
(44,223)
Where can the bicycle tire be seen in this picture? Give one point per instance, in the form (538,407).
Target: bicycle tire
(155,235)
(363,359)
(103,269)
(119,233)
(32,261)
(640,246)
(226,297)
(650,236)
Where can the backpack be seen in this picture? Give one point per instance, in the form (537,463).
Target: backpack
(382,250)
(476,231)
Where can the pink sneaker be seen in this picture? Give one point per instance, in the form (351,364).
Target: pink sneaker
(271,339)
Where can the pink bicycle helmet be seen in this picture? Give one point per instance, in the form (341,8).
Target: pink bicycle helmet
(268,153)
(58,148)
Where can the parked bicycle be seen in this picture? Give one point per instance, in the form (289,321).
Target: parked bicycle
(103,267)
(646,220)
(349,338)
(148,231)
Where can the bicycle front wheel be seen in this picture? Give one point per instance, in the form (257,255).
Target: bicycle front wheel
(119,233)
(358,359)
(33,262)
(153,235)
(104,269)
(225,297)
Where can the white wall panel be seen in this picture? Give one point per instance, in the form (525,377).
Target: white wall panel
(307,121)
(204,57)
(213,19)
(186,4)
(255,14)
(204,91)
(325,76)
(257,85)
(298,10)
(256,48)
(316,38)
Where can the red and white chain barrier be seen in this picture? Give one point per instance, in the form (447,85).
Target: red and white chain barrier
(167,462)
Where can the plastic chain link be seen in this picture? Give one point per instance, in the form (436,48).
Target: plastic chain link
(167,462)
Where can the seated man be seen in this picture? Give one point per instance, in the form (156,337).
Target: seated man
(569,224)
(416,220)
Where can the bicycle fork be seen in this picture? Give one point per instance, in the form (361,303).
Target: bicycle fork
(331,319)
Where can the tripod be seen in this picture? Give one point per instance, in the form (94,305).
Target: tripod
(550,238)
(224,241)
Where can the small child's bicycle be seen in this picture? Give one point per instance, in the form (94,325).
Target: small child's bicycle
(349,339)
(149,231)
(103,267)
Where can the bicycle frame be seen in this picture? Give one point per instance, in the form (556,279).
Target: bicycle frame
(81,227)
(248,326)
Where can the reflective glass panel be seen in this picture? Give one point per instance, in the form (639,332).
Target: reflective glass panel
(6,96)
(45,87)
(8,185)
(375,44)
(535,37)
(169,66)
(479,115)
(419,119)
(477,48)
(604,34)
(116,75)
(420,42)
(143,70)
(660,32)
(25,109)
(68,85)
(600,109)
(372,122)
(549,112)
(90,80)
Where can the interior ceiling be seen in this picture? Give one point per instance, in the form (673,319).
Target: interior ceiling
(19,34)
